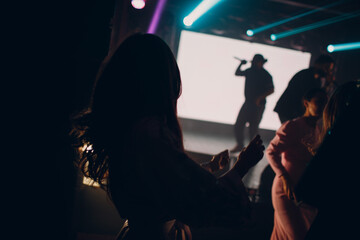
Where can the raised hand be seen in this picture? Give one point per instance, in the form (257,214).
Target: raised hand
(221,159)
(250,155)
(218,162)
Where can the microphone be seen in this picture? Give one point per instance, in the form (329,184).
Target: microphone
(242,60)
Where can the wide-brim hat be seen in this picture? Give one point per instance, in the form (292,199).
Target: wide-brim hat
(259,58)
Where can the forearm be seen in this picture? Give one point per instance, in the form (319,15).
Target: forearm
(273,155)
(238,71)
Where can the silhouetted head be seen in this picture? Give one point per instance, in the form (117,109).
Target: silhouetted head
(258,60)
(314,102)
(140,79)
(325,64)
(343,105)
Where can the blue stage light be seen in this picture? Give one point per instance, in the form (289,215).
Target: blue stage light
(273,37)
(200,10)
(250,32)
(188,21)
(315,25)
(271,25)
(330,48)
(343,47)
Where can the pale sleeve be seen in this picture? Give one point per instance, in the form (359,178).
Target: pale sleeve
(282,141)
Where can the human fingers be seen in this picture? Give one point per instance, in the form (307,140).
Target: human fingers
(225,153)
(259,143)
(256,142)
(225,158)
(256,145)
(255,139)
(219,156)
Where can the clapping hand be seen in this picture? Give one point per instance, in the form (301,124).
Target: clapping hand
(218,162)
(221,159)
(250,155)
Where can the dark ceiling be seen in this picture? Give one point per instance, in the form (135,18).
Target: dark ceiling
(231,18)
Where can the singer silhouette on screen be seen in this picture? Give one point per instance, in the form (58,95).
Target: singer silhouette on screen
(258,85)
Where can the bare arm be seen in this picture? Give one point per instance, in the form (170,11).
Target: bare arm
(273,153)
(238,71)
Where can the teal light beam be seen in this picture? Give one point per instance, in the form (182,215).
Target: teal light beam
(314,25)
(251,32)
(200,10)
(343,47)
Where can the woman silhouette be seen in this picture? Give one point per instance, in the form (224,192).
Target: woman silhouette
(134,149)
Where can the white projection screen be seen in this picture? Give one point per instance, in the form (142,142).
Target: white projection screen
(211,91)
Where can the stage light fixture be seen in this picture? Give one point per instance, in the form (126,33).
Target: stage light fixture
(315,25)
(271,25)
(343,47)
(250,32)
(330,48)
(156,17)
(138,4)
(200,10)
(187,21)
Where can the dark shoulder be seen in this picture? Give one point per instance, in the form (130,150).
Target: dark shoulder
(305,72)
(304,75)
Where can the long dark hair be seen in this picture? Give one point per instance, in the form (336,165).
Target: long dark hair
(343,104)
(140,79)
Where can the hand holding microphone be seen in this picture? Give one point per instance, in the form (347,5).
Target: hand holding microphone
(243,61)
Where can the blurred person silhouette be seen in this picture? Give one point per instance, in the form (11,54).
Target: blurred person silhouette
(330,182)
(134,149)
(288,154)
(330,84)
(258,85)
(289,105)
